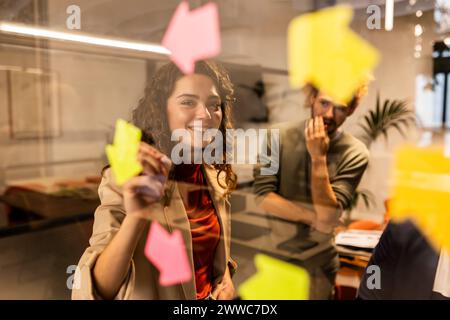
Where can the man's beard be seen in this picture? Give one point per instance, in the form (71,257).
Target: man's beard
(330,126)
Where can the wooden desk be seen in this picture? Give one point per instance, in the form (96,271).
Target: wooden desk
(270,241)
(47,206)
(43,210)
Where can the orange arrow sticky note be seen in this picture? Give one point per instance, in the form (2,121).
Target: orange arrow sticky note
(193,35)
(421,191)
(324,51)
(168,253)
(122,155)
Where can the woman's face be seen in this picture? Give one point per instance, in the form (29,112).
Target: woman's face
(195,106)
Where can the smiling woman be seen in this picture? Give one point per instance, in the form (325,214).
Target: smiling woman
(173,101)
(192,198)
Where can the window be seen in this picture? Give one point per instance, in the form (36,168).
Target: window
(433,95)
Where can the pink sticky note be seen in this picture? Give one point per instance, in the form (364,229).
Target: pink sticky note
(193,35)
(167,252)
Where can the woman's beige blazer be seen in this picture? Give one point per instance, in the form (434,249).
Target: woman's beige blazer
(142,279)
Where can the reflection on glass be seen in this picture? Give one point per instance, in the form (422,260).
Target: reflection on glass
(424,100)
(439,87)
(447,106)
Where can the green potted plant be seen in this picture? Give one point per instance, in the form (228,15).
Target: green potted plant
(391,114)
(387,115)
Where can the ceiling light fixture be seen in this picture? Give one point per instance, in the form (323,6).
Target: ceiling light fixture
(81,38)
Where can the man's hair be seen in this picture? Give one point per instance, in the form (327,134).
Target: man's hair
(360,93)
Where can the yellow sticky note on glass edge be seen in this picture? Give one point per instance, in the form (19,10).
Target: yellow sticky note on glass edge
(122,154)
(324,51)
(420,191)
(275,280)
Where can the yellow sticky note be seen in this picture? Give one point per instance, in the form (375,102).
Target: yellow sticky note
(275,280)
(122,155)
(421,191)
(324,51)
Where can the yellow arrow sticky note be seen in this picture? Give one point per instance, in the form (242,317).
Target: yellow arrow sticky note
(324,51)
(122,155)
(275,280)
(421,191)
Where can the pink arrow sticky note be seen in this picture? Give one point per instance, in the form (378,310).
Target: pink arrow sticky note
(167,252)
(193,35)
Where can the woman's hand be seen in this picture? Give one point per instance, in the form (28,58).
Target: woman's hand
(224,289)
(141,192)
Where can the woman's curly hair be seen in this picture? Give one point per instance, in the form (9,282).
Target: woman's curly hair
(150,115)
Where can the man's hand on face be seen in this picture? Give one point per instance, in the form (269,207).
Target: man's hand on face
(317,140)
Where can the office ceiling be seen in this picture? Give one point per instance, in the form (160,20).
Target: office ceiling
(147,19)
